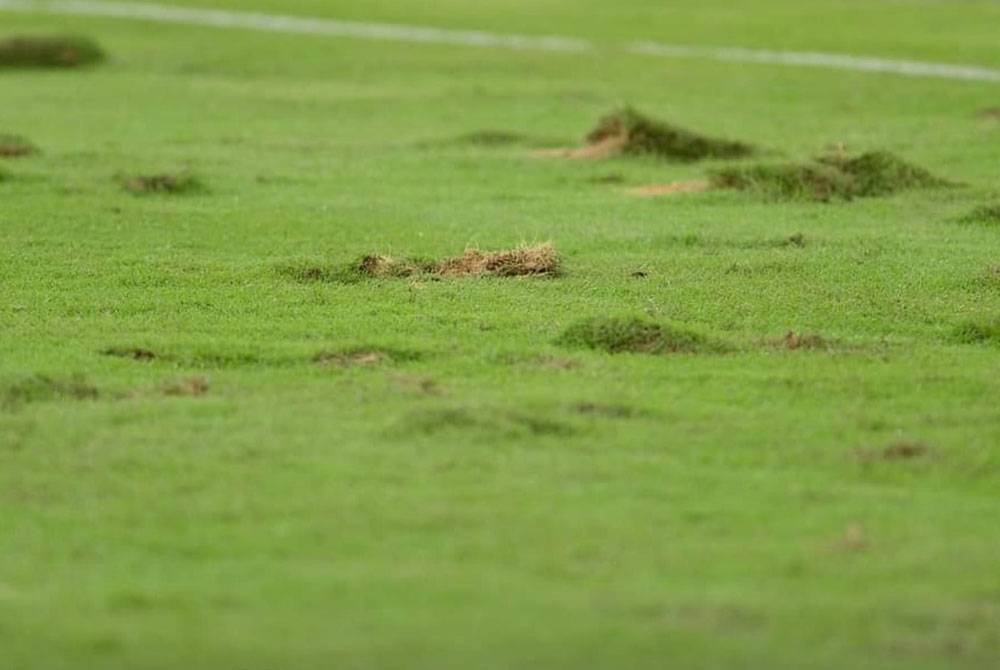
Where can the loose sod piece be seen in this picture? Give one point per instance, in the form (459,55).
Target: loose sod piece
(619,335)
(987,215)
(171,184)
(15,146)
(49,52)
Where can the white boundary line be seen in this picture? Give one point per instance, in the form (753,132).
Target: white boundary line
(402,33)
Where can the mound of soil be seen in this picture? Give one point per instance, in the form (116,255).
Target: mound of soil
(49,52)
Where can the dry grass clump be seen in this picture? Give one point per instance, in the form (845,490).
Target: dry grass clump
(43,52)
(540,259)
(166,183)
(190,386)
(794,341)
(364,357)
(629,132)
(635,335)
(828,178)
(15,146)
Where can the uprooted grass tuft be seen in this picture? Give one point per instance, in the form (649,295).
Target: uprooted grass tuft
(828,178)
(629,132)
(28,52)
(987,215)
(986,331)
(15,146)
(537,260)
(620,335)
(40,388)
(794,341)
(134,353)
(190,387)
(167,183)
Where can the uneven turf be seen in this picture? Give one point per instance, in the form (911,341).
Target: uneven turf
(730,429)
(32,51)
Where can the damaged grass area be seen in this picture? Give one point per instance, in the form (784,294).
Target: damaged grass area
(41,388)
(364,357)
(49,52)
(793,341)
(629,132)
(536,260)
(635,335)
(987,215)
(15,146)
(182,183)
(834,177)
(985,331)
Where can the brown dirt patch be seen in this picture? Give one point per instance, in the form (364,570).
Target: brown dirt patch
(990,114)
(536,260)
(794,341)
(603,148)
(673,188)
(190,386)
(15,146)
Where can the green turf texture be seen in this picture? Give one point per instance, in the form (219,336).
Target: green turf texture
(421,473)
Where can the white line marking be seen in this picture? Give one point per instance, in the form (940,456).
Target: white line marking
(474,38)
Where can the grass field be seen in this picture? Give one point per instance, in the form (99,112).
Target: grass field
(215,452)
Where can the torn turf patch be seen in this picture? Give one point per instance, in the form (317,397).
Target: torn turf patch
(635,335)
(49,52)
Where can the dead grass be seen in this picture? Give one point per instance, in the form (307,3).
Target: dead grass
(833,177)
(674,188)
(15,146)
(794,341)
(363,357)
(189,386)
(635,335)
(48,52)
(536,260)
(165,183)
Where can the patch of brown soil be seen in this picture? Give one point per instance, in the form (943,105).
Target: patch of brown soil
(793,341)
(14,146)
(602,148)
(350,359)
(990,114)
(673,188)
(191,386)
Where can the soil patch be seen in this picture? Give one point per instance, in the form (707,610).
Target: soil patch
(190,386)
(631,132)
(363,357)
(49,52)
(835,177)
(635,335)
(15,146)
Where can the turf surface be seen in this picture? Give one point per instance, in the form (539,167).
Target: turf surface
(207,461)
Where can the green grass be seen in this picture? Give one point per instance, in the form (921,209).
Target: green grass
(209,459)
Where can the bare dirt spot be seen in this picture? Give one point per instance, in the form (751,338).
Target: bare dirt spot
(48,52)
(794,341)
(15,146)
(989,114)
(190,386)
(673,188)
(536,260)
(165,183)
(854,539)
(135,353)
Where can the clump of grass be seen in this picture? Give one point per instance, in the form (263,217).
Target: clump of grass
(537,260)
(40,388)
(166,183)
(828,178)
(540,259)
(364,357)
(986,331)
(619,335)
(633,133)
(987,215)
(15,146)
(49,52)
